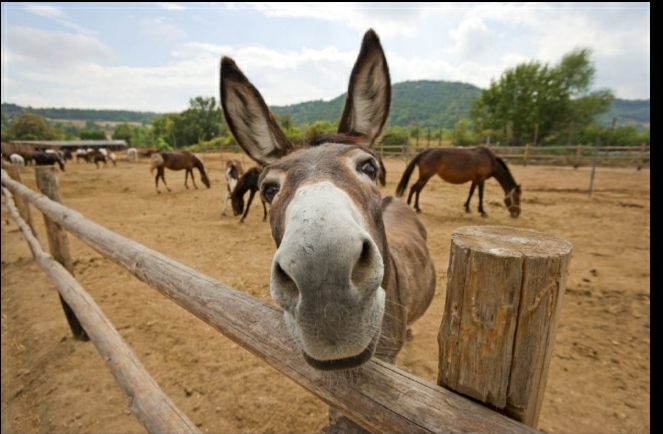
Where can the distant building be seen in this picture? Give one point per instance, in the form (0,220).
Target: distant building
(72,145)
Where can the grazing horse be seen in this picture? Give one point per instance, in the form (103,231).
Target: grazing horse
(458,166)
(352,270)
(234,171)
(177,160)
(48,159)
(247,182)
(100,158)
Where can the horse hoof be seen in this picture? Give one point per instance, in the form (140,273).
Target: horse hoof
(483,214)
(418,210)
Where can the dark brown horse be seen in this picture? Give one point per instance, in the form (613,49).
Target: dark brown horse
(48,159)
(247,182)
(234,171)
(177,160)
(458,166)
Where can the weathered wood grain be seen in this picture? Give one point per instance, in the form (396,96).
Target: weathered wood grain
(504,292)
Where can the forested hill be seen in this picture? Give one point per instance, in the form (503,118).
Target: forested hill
(433,104)
(13,110)
(426,103)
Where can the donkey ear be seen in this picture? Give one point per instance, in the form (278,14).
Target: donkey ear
(249,118)
(369,92)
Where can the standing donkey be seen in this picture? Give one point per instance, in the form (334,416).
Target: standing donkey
(352,270)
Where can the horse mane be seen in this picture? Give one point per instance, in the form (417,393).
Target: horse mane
(506,174)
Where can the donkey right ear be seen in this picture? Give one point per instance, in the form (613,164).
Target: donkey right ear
(249,118)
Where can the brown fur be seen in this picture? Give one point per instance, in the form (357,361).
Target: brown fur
(177,160)
(458,166)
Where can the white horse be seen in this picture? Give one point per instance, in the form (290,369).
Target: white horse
(17,159)
(132,154)
(234,171)
(112,157)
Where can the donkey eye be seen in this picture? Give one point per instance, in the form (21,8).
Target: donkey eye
(369,168)
(268,191)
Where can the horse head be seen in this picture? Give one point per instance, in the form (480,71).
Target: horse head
(512,201)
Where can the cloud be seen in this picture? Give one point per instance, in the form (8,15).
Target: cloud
(472,38)
(52,49)
(159,29)
(392,19)
(169,6)
(56,14)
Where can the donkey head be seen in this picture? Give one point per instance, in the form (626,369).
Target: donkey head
(326,215)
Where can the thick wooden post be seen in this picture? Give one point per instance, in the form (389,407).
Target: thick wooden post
(58,242)
(504,296)
(526,155)
(23,207)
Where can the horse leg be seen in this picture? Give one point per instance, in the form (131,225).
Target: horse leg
(483,214)
(225,203)
(156,181)
(467,202)
(248,205)
(193,179)
(161,174)
(186,178)
(416,188)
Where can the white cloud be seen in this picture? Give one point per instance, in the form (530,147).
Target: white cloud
(56,14)
(53,49)
(472,38)
(159,29)
(169,6)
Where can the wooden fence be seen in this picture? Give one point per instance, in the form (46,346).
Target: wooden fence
(496,337)
(576,155)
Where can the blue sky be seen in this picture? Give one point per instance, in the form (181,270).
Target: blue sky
(155,56)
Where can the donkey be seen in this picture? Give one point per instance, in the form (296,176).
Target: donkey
(233,172)
(352,270)
(177,160)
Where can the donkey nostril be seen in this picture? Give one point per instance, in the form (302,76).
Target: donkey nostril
(284,282)
(364,266)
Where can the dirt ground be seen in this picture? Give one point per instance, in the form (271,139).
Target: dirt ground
(599,378)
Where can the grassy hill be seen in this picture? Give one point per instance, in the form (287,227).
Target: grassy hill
(426,103)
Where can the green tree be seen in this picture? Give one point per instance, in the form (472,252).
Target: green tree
(92,135)
(548,96)
(29,126)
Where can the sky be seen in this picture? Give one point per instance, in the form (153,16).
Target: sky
(157,56)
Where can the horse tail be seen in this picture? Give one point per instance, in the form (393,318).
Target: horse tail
(402,184)
(156,160)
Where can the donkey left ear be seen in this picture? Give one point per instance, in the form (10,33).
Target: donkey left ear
(249,118)
(369,92)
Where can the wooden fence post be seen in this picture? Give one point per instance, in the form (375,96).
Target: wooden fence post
(58,242)
(23,207)
(575,166)
(504,295)
(641,164)
(526,155)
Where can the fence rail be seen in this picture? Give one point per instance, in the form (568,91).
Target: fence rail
(382,398)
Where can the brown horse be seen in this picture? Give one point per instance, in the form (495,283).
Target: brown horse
(458,166)
(234,171)
(247,182)
(177,160)
(352,270)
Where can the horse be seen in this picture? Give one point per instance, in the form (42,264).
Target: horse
(458,166)
(233,172)
(177,160)
(99,158)
(132,154)
(352,270)
(17,160)
(247,182)
(113,158)
(48,159)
